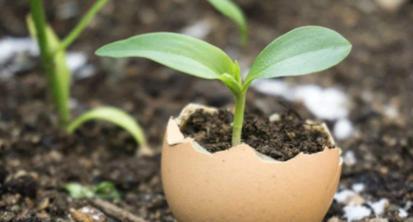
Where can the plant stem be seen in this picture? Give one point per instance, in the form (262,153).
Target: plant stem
(238,117)
(48,60)
(39,20)
(78,29)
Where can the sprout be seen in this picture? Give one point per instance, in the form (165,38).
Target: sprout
(53,55)
(233,12)
(301,51)
(103,190)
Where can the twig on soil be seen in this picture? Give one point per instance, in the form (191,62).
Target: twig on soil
(115,211)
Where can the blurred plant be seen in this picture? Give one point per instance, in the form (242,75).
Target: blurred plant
(53,52)
(233,12)
(104,190)
(303,50)
(53,56)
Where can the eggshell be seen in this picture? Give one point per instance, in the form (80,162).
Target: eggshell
(241,185)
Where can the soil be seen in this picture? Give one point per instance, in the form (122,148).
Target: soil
(281,139)
(37,158)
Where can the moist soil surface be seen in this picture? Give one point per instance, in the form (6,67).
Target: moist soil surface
(37,158)
(281,139)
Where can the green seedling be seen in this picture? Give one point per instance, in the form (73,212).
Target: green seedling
(53,55)
(53,52)
(301,51)
(234,13)
(104,190)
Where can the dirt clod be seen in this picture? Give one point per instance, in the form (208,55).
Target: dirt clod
(25,185)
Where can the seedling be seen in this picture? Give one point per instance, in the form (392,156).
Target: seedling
(234,13)
(104,190)
(53,52)
(53,55)
(303,50)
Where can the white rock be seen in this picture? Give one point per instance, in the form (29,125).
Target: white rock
(13,47)
(75,60)
(391,112)
(15,55)
(199,29)
(344,195)
(273,87)
(403,213)
(343,129)
(358,187)
(379,206)
(356,212)
(77,63)
(349,158)
(328,103)
(9,47)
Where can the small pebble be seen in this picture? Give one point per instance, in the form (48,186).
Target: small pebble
(390,5)
(343,129)
(199,29)
(403,213)
(356,213)
(88,214)
(379,206)
(349,197)
(349,158)
(358,187)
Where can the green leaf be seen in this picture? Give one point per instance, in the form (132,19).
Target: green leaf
(79,191)
(301,51)
(104,190)
(180,52)
(112,115)
(233,12)
(107,190)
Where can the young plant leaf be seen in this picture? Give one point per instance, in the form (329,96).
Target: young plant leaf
(301,51)
(79,191)
(180,52)
(104,190)
(112,115)
(233,12)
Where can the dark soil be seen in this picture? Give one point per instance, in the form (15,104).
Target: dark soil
(282,139)
(37,158)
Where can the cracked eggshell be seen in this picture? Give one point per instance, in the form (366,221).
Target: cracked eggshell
(240,185)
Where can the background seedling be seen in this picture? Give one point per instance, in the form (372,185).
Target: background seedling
(104,190)
(301,51)
(233,12)
(53,55)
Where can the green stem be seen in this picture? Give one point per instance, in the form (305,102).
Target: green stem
(78,29)
(39,21)
(238,117)
(40,25)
